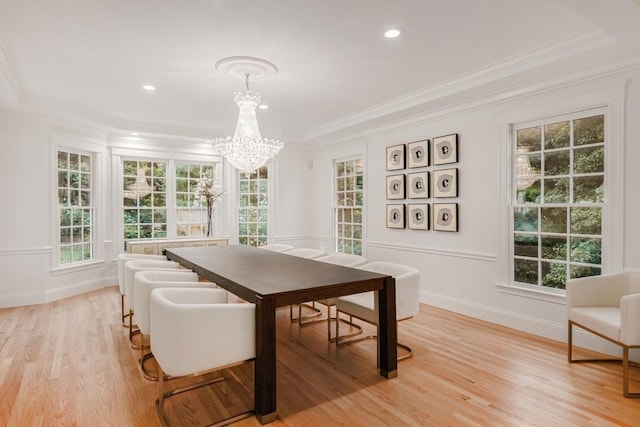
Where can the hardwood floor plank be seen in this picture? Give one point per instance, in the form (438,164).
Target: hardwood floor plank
(70,363)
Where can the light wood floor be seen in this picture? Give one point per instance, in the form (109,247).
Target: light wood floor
(70,363)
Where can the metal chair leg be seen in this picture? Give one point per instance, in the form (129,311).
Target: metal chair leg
(162,396)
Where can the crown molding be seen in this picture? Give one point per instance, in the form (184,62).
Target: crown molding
(613,67)
(563,49)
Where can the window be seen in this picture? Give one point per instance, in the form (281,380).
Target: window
(349,198)
(144,199)
(253,206)
(191,215)
(557,199)
(75,207)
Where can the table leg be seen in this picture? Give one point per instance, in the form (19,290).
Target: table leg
(265,364)
(388,329)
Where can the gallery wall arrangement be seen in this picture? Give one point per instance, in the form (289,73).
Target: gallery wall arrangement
(418,171)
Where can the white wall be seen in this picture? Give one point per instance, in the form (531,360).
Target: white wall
(26,228)
(460,271)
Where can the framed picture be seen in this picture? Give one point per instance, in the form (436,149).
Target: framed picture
(445,183)
(445,217)
(418,216)
(418,185)
(395,157)
(395,216)
(395,187)
(418,154)
(445,149)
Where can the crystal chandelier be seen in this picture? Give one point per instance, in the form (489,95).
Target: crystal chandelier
(525,175)
(246,150)
(139,188)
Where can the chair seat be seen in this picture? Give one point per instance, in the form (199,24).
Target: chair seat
(603,320)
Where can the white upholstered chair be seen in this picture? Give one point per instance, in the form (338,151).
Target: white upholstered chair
(308,253)
(609,307)
(195,330)
(131,267)
(276,247)
(364,306)
(143,283)
(346,260)
(120,260)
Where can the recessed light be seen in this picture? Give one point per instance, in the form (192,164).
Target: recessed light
(263,106)
(392,33)
(150,88)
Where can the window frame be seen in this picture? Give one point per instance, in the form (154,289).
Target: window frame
(266,209)
(335,235)
(123,148)
(545,178)
(91,207)
(608,95)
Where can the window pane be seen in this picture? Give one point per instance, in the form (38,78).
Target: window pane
(525,271)
(588,160)
(556,190)
(554,220)
(586,220)
(529,139)
(525,245)
(581,271)
(588,189)
(556,135)
(525,219)
(589,130)
(554,274)
(586,250)
(253,193)
(554,247)
(557,163)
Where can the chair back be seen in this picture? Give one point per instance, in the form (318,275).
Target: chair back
(347,260)
(147,280)
(276,247)
(131,267)
(124,257)
(407,286)
(196,330)
(306,253)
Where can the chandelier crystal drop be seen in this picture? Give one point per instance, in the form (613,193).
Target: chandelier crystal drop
(247,150)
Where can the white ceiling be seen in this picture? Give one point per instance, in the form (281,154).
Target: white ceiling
(337,74)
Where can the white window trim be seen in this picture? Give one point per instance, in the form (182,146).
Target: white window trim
(119,154)
(63,140)
(611,97)
(358,156)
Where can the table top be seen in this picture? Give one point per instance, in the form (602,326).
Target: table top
(253,273)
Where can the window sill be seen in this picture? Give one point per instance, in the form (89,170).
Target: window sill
(71,268)
(546,296)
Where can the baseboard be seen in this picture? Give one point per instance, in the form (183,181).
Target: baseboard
(44,296)
(536,326)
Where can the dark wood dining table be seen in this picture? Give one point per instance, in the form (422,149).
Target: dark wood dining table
(269,280)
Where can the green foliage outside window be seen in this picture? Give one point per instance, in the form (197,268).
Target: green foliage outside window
(557,217)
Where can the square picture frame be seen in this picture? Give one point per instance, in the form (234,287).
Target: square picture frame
(418,154)
(395,185)
(418,216)
(395,157)
(445,183)
(418,185)
(445,217)
(395,216)
(445,149)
